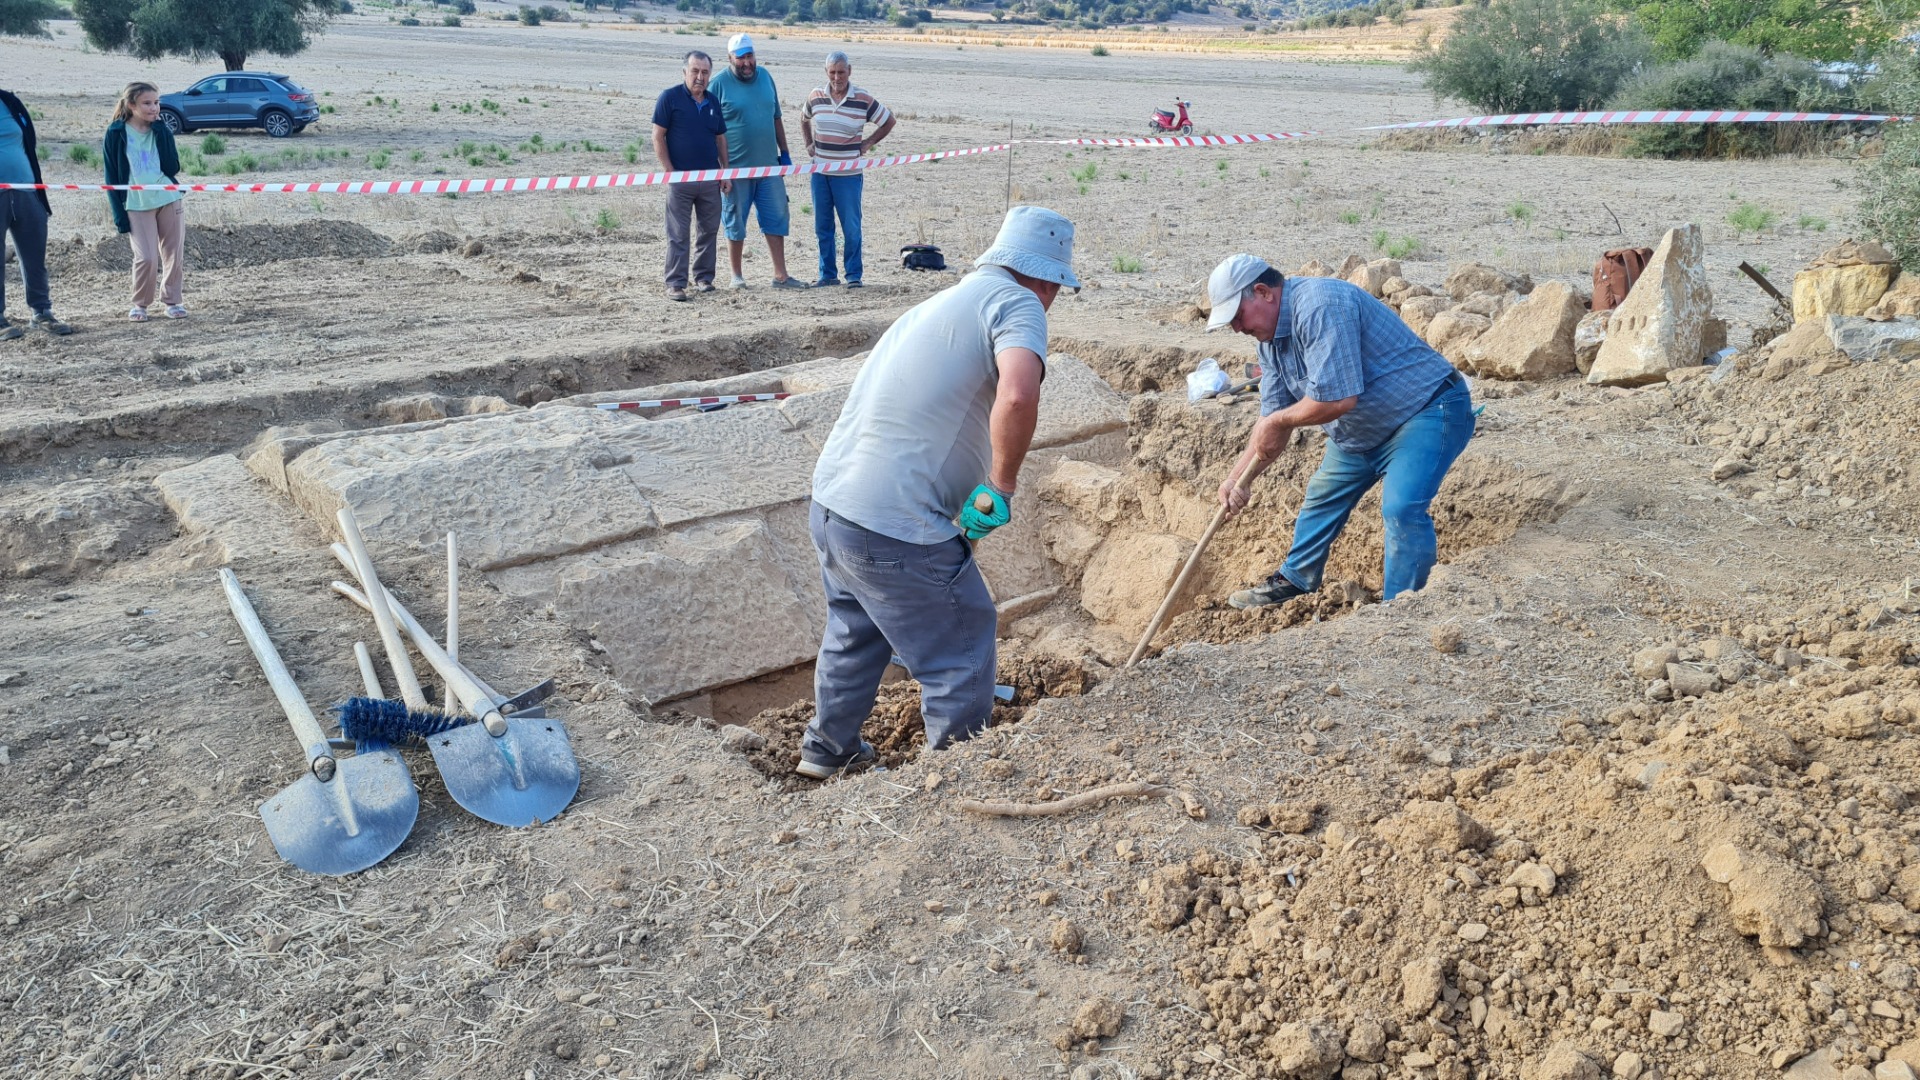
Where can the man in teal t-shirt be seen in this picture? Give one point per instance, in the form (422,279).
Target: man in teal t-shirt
(750,104)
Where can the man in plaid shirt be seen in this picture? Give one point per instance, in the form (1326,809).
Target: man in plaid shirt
(833,123)
(1395,412)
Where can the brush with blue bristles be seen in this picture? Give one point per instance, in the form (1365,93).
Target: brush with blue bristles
(377,719)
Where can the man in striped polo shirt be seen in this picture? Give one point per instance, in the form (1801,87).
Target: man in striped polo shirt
(832,123)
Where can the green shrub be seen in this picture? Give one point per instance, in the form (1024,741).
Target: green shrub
(379,159)
(1126,264)
(1533,56)
(528,16)
(1889,208)
(1725,76)
(606,220)
(81,154)
(1099,50)
(213,145)
(1748,218)
(447,20)
(409,21)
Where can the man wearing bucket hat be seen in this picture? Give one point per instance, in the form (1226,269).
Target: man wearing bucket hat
(750,104)
(934,430)
(1395,413)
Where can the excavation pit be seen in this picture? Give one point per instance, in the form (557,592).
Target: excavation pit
(676,540)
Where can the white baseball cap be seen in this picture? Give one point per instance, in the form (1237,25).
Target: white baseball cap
(1233,277)
(739,45)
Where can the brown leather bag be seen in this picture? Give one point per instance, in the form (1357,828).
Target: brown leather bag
(1614,275)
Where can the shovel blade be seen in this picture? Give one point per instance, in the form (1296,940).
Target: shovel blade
(346,824)
(521,778)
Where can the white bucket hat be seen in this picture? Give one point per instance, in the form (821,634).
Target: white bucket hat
(1036,242)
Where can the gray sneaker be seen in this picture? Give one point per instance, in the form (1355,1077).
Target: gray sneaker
(789,283)
(818,770)
(45,320)
(1274,590)
(11,331)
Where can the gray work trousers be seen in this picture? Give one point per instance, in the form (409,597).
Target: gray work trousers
(22,216)
(926,602)
(699,199)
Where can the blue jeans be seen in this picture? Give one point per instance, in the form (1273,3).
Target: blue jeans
(1413,461)
(22,215)
(926,602)
(837,193)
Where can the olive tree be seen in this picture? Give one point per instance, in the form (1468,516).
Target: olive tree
(1533,56)
(229,29)
(27,18)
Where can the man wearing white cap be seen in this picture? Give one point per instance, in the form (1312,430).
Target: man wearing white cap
(1394,410)
(935,427)
(750,104)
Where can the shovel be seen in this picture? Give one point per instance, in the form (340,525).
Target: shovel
(1219,518)
(346,814)
(514,772)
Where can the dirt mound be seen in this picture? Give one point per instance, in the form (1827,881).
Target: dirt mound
(1846,441)
(78,527)
(1709,887)
(223,247)
(895,728)
(1138,369)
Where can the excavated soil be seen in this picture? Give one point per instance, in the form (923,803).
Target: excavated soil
(1628,790)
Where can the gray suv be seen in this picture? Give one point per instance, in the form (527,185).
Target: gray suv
(241,99)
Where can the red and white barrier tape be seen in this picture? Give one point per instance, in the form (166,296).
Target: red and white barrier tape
(620,180)
(1696,116)
(672,403)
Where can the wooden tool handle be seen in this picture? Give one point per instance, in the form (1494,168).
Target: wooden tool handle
(1244,485)
(453,611)
(368,676)
(475,696)
(400,613)
(983,502)
(299,713)
(397,657)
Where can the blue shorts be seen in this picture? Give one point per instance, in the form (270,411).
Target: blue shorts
(766,196)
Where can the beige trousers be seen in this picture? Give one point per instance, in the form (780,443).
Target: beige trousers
(159,240)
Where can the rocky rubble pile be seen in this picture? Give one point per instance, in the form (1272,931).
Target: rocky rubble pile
(1724,883)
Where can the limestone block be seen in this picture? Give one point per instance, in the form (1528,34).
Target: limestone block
(1374,276)
(1902,298)
(703,465)
(1128,576)
(1491,304)
(812,415)
(1473,277)
(1864,339)
(228,513)
(701,607)
(268,454)
(1840,290)
(1532,339)
(1076,404)
(1588,333)
(1661,323)
(516,487)
(1013,558)
(1314,268)
(1418,311)
(1091,492)
(1453,330)
(1805,344)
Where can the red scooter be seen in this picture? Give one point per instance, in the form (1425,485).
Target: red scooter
(1165,122)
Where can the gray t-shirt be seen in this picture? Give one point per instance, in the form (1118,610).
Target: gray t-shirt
(913,439)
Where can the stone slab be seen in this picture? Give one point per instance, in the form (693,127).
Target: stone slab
(515,488)
(679,613)
(1866,339)
(1662,322)
(228,513)
(703,465)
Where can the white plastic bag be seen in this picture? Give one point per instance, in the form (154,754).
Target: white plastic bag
(1206,380)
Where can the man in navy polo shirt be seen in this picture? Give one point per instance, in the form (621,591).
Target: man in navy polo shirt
(1394,410)
(690,134)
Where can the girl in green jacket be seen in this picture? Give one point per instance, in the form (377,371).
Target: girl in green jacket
(140,150)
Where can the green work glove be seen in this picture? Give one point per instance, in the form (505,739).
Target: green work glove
(978,522)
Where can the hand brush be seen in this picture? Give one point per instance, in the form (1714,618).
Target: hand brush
(380,719)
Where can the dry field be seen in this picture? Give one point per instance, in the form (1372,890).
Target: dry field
(691,915)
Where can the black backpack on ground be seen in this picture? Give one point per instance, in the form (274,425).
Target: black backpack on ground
(922,257)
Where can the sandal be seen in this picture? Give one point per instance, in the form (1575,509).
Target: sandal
(138,314)
(176,311)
